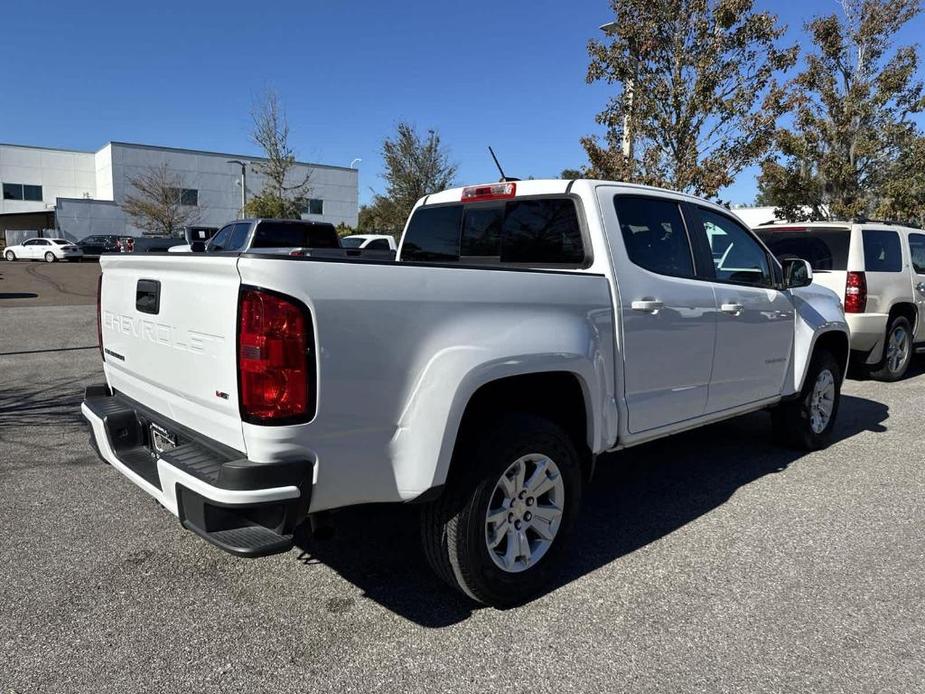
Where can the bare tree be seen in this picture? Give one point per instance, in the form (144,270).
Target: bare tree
(281,195)
(160,205)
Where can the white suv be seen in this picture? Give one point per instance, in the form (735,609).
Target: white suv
(878,270)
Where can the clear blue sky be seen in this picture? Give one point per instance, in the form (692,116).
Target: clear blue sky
(185,74)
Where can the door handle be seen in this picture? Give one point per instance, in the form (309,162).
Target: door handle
(731,308)
(647,305)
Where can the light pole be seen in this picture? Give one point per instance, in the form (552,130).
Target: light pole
(355,162)
(628,88)
(243,165)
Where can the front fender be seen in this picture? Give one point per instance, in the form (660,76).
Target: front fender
(818,312)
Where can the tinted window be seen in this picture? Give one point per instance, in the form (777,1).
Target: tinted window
(433,234)
(542,231)
(283,235)
(882,252)
(12,191)
(351,242)
(31,242)
(654,235)
(824,249)
(737,257)
(917,247)
(238,237)
(481,233)
(220,240)
(189,196)
(379,245)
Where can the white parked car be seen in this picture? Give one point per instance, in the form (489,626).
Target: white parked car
(524,329)
(48,250)
(878,271)
(373,242)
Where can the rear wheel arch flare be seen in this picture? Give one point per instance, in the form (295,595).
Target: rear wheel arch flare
(559,396)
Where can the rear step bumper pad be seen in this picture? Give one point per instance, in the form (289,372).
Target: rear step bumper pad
(246,508)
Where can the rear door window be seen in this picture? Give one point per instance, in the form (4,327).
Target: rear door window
(654,235)
(917,249)
(824,249)
(541,231)
(379,245)
(882,251)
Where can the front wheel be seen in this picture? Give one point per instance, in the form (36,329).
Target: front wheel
(897,352)
(10,256)
(808,421)
(50,257)
(505,515)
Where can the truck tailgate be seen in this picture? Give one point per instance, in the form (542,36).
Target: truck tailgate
(168,331)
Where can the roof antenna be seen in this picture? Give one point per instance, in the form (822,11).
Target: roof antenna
(504,179)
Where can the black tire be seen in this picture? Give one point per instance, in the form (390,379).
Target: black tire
(10,256)
(885,370)
(50,257)
(791,419)
(453,527)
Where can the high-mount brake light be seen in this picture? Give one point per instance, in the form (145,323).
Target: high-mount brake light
(489,191)
(275,359)
(855,292)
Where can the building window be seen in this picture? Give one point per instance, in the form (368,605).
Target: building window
(20,191)
(186,196)
(314,206)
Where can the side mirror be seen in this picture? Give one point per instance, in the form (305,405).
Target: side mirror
(797,273)
(198,246)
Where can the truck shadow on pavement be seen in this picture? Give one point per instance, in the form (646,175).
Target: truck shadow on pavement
(637,496)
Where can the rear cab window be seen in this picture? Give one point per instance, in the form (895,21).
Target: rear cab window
(824,248)
(537,232)
(294,235)
(882,251)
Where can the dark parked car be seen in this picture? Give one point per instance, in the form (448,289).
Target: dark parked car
(98,244)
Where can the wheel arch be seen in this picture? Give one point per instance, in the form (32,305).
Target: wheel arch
(563,396)
(907,310)
(837,343)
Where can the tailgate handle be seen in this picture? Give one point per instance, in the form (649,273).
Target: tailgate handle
(148,296)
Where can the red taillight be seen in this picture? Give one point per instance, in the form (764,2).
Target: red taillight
(855,293)
(275,364)
(99,315)
(490,191)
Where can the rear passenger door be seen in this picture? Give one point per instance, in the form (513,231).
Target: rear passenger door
(668,315)
(755,319)
(917,253)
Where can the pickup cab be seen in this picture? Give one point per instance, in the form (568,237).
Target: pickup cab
(523,329)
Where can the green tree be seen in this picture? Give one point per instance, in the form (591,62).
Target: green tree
(570,173)
(698,99)
(851,132)
(414,167)
(284,195)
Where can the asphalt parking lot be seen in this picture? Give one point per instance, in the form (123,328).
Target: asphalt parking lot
(710,562)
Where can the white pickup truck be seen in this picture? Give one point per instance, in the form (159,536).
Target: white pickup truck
(524,329)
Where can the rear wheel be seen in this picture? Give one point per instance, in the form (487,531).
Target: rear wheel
(897,352)
(50,257)
(9,255)
(808,421)
(506,513)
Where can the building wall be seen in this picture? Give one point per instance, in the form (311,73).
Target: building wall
(87,188)
(61,173)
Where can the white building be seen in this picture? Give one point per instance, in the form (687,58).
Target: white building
(79,193)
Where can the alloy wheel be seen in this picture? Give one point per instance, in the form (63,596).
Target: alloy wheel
(524,513)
